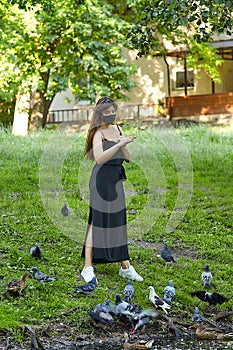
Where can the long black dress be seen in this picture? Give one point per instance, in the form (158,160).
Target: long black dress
(107,212)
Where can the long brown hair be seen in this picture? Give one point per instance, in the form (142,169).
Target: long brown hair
(96,121)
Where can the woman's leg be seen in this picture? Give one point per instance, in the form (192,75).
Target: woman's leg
(129,272)
(125,264)
(88,248)
(88,272)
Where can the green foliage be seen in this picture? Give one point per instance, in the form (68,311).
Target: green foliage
(126,9)
(204,235)
(47,46)
(184,23)
(206,56)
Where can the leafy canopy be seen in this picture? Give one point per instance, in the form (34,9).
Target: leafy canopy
(49,45)
(190,23)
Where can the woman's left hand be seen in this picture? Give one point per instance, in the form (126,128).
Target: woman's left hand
(124,140)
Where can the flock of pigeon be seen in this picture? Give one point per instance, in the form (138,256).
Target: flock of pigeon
(132,314)
(206,276)
(138,317)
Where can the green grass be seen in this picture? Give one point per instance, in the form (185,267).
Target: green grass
(179,189)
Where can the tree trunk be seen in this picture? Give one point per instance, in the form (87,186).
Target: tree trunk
(21,115)
(40,107)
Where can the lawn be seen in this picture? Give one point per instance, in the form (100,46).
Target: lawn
(179,190)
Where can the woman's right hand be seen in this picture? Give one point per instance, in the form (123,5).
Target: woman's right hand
(124,140)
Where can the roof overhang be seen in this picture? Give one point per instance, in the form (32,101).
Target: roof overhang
(224,47)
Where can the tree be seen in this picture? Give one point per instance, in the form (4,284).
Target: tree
(49,45)
(190,23)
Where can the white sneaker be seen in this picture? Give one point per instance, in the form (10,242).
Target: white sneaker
(88,273)
(130,273)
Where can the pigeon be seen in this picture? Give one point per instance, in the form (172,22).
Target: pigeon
(111,307)
(196,317)
(140,319)
(101,318)
(212,298)
(88,287)
(36,251)
(166,254)
(169,292)
(102,307)
(206,276)
(101,314)
(122,307)
(42,277)
(157,301)
(128,291)
(65,210)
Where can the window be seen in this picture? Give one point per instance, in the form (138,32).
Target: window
(179,79)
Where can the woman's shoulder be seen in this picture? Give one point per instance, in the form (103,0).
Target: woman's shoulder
(118,128)
(98,134)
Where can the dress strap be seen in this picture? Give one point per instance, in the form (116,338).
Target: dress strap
(102,133)
(119,130)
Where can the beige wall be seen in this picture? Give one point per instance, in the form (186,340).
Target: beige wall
(152,84)
(63,100)
(151,79)
(227,76)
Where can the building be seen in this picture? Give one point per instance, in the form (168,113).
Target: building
(169,82)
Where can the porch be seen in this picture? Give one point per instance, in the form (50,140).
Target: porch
(197,105)
(204,104)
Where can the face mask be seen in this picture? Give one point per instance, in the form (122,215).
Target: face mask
(109,119)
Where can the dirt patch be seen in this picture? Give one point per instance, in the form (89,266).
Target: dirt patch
(176,251)
(66,336)
(59,336)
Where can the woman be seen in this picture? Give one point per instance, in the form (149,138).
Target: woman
(106,238)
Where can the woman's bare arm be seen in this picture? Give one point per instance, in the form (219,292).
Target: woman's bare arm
(125,150)
(102,156)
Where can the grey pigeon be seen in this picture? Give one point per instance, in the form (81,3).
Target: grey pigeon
(166,254)
(157,301)
(122,307)
(211,298)
(102,307)
(88,287)
(101,314)
(197,317)
(36,251)
(41,276)
(128,291)
(140,319)
(65,210)
(111,307)
(141,322)
(125,311)
(169,292)
(206,276)
(101,318)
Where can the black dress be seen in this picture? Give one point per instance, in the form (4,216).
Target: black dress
(107,212)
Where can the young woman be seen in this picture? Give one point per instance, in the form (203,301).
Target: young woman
(106,237)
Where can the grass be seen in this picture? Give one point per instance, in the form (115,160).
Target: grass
(179,189)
